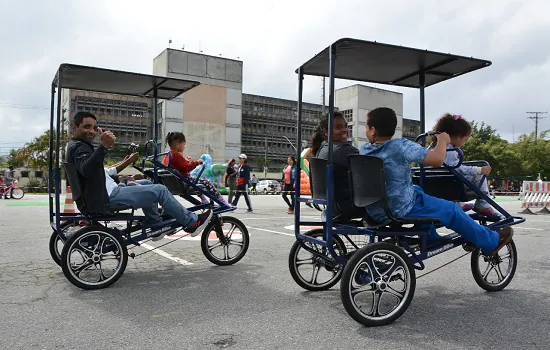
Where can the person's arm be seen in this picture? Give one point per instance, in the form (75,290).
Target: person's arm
(181,164)
(435,157)
(87,160)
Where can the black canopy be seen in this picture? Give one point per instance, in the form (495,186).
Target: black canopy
(380,63)
(119,82)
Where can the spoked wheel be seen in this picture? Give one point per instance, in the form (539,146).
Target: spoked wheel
(316,272)
(56,243)
(17,193)
(378,284)
(494,273)
(93,258)
(228,246)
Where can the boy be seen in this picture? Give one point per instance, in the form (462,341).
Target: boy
(407,200)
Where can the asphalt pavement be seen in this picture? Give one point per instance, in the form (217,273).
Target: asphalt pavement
(173,298)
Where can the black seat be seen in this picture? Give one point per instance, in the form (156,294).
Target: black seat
(368,182)
(441,183)
(318,178)
(76,189)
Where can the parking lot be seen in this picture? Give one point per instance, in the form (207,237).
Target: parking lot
(175,298)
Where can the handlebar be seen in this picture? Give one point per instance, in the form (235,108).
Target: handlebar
(426,134)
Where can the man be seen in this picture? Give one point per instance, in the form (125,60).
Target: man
(8,180)
(254,182)
(101,192)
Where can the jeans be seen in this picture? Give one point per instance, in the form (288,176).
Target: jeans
(232,183)
(241,190)
(289,189)
(454,218)
(147,197)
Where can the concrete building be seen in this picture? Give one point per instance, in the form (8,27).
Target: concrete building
(411,128)
(128,117)
(210,114)
(267,122)
(356,101)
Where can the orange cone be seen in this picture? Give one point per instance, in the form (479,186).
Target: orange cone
(69,204)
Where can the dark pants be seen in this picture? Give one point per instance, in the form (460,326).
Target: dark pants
(290,189)
(241,190)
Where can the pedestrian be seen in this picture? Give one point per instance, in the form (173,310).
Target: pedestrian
(243,177)
(254,182)
(231,179)
(289,181)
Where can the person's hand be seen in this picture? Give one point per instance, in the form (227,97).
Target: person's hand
(443,138)
(107,138)
(138,177)
(486,170)
(189,157)
(200,161)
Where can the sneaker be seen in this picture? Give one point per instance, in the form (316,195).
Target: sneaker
(205,200)
(161,236)
(506,235)
(466,206)
(249,211)
(202,220)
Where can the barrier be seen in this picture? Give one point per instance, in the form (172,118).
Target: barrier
(536,195)
(69,206)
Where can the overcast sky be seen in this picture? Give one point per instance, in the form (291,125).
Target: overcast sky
(273,39)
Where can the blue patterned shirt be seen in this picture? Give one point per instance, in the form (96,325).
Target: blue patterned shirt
(397,154)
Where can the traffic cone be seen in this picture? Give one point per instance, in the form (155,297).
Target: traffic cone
(69,204)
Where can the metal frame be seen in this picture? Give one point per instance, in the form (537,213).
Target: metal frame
(107,81)
(371,68)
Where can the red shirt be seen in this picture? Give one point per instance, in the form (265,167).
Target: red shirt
(180,163)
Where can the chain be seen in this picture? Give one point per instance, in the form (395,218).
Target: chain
(437,268)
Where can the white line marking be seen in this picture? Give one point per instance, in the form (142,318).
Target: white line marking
(271,231)
(527,228)
(279,217)
(166,255)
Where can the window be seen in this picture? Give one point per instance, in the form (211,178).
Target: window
(348,114)
(24,173)
(38,174)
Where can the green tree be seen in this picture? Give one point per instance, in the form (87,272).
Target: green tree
(14,159)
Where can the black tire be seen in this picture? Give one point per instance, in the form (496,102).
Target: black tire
(508,252)
(209,230)
(87,242)
(395,259)
(17,193)
(55,239)
(318,263)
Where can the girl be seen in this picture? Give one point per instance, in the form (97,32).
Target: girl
(289,176)
(243,176)
(460,131)
(176,142)
(231,179)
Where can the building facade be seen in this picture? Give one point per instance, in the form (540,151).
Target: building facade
(356,101)
(411,128)
(269,129)
(128,117)
(210,114)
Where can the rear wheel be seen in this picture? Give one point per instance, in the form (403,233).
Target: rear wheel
(315,271)
(93,258)
(56,243)
(17,193)
(378,284)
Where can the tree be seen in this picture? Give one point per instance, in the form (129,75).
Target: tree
(14,159)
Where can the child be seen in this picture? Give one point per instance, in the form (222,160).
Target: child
(406,200)
(459,131)
(176,142)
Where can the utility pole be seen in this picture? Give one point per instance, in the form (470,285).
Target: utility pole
(536,119)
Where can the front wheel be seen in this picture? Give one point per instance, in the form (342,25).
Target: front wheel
(378,284)
(498,270)
(93,258)
(228,246)
(17,193)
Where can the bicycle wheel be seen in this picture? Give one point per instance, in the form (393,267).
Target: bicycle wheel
(17,193)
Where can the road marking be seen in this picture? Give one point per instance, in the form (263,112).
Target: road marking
(271,231)
(527,228)
(166,255)
(290,217)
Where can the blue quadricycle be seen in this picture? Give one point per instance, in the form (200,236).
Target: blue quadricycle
(93,249)
(376,263)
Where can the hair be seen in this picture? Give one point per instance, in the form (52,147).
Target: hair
(319,132)
(384,120)
(232,160)
(293,160)
(172,137)
(453,124)
(79,117)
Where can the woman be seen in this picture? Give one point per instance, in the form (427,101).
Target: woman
(288,180)
(231,178)
(243,177)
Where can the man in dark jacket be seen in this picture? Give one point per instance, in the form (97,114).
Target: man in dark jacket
(100,192)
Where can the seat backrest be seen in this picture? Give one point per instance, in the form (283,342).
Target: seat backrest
(367,179)
(74,181)
(171,182)
(318,178)
(441,183)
